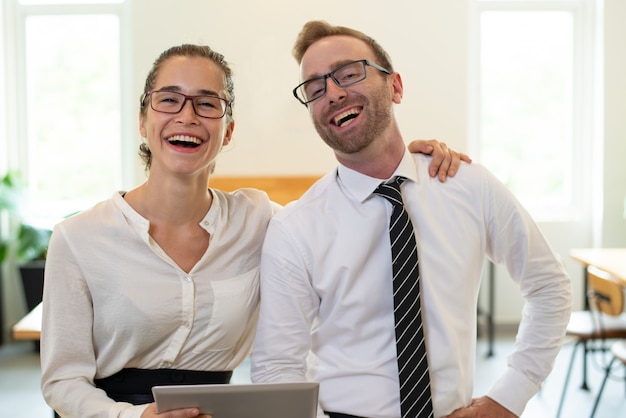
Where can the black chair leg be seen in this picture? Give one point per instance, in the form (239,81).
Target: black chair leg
(567,376)
(584,385)
(607,373)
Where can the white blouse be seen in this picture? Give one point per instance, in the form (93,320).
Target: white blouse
(114,299)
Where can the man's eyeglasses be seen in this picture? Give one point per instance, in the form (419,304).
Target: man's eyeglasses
(344,75)
(164,101)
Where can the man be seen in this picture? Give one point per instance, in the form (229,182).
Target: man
(327,308)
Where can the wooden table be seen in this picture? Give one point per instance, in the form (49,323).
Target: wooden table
(612,260)
(29,327)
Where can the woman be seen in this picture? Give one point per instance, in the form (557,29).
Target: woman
(159,285)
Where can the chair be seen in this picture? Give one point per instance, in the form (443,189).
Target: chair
(619,353)
(604,320)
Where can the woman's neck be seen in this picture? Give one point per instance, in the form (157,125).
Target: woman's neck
(171,200)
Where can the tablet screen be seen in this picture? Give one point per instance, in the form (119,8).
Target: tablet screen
(261,400)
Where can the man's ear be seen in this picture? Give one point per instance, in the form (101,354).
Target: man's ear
(397,88)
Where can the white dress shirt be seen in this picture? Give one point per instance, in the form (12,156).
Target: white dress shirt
(326,287)
(114,299)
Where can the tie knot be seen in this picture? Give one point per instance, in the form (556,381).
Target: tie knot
(390,190)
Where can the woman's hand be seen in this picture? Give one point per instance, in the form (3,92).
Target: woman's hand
(445,162)
(151,412)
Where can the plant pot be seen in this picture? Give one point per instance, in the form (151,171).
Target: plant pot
(32,282)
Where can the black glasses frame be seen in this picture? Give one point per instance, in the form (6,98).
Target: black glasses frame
(148,95)
(331,75)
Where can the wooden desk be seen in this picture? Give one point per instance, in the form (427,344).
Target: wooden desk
(612,260)
(29,327)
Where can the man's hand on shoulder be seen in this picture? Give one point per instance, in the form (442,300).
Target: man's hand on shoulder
(445,162)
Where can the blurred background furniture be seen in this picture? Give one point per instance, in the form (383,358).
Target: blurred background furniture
(619,353)
(603,320)
(612,260)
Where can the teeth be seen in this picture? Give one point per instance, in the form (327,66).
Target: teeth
(345,117)
(185,138)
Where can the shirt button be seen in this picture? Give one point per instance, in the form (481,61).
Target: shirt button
(187,279)
(167,364)
(206,223)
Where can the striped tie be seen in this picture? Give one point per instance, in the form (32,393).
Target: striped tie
(415,397)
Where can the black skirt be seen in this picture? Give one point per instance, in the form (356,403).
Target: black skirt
(135,385)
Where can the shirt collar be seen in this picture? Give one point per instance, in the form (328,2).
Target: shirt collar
(362,186)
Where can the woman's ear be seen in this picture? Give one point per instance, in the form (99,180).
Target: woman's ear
(142,127)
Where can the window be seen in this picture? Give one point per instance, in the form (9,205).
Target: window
(533,98)
(68,101)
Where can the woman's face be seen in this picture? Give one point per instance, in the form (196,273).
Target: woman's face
(185,143)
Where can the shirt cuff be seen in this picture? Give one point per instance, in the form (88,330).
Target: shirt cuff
(513,390)
(134,411)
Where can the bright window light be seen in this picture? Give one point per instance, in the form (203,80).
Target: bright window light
(526,103)
(72,109)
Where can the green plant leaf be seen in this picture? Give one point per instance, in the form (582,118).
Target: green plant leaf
(32,243)
(11,191)
(4,250)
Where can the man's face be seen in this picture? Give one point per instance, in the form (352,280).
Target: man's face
(348,118)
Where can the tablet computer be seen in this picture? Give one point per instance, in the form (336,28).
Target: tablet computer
(258,400)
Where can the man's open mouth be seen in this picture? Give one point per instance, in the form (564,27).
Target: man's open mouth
(345,118)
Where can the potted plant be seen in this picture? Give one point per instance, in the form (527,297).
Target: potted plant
(25,244)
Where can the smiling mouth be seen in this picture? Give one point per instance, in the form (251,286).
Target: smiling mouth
(346,117)
(185,141)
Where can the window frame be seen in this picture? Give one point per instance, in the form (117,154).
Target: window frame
(586,105)
(15,15)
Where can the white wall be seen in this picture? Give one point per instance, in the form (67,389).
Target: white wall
(614,219)
(273,135)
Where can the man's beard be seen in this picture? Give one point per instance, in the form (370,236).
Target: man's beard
(377,117)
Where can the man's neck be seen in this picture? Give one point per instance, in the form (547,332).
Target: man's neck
(375,162)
